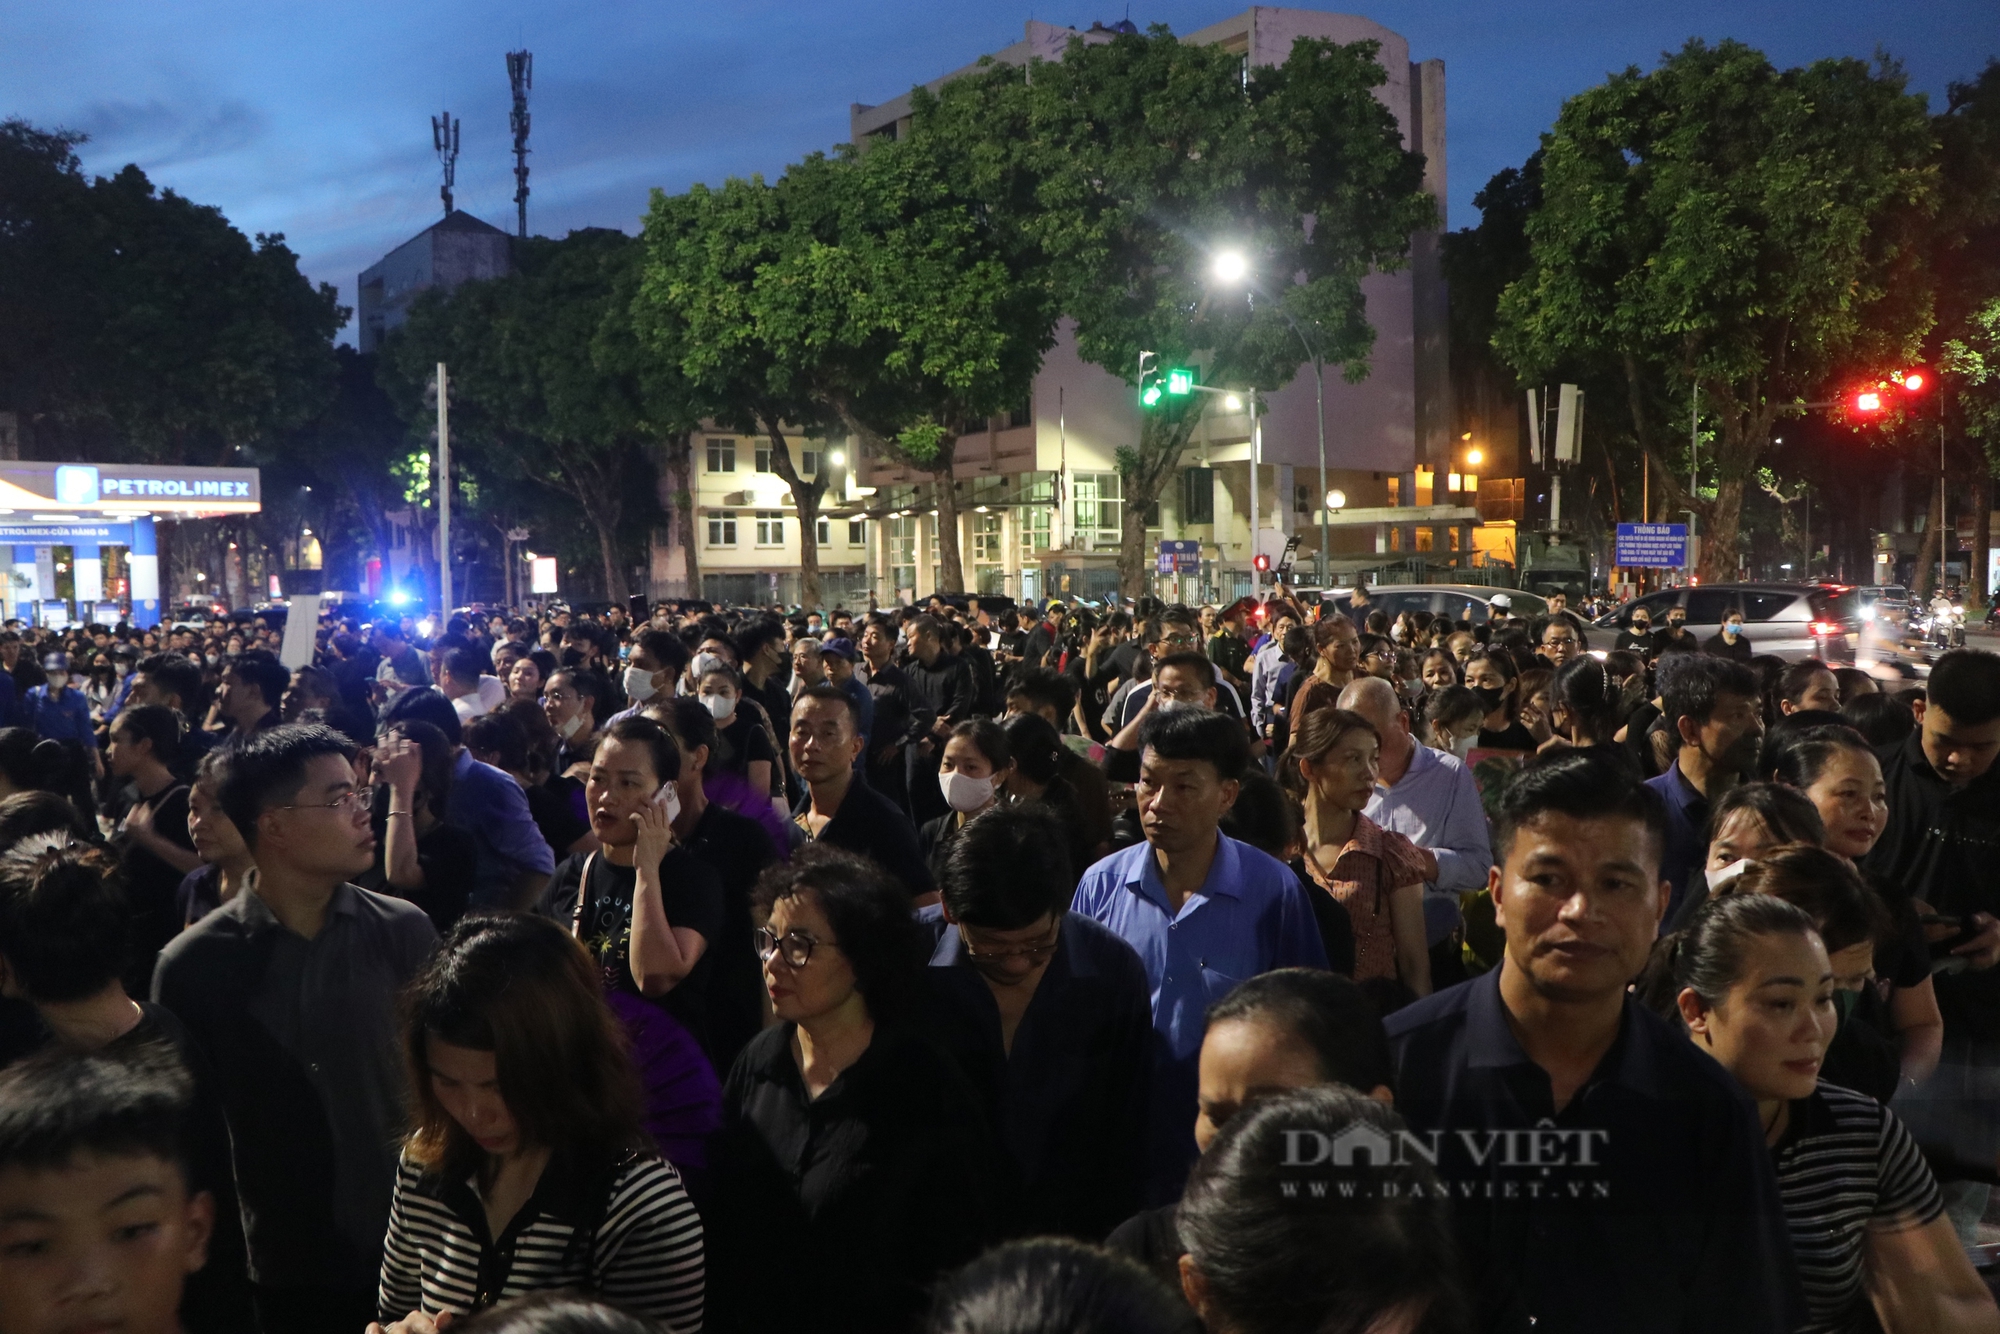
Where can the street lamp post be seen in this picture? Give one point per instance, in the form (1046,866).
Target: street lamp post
(1232,267)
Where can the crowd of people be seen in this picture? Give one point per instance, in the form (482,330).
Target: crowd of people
(1260,969)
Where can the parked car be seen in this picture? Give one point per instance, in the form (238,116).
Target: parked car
(1792,621)
(1459,602)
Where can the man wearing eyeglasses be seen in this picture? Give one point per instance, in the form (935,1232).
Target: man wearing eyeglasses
(1560,641)
(1050,1014)
(1178,634)
(290,990)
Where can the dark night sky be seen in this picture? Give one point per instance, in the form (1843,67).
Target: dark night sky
(312,120)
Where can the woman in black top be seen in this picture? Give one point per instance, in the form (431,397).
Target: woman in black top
(648,910)
(1492,675)
(851,1145)
(972,774)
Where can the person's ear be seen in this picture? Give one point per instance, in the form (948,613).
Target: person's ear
(1231,788)
(200,1227)
(1383,1094)
(1496,881)
(1917,707)
(1194,1287)
(1693,1013)
(1688,730)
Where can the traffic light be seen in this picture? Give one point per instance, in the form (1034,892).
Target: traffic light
(1893,390)
(1262,562)
(1149,380)
(1180,380)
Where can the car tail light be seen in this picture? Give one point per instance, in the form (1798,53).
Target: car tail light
(1825,628)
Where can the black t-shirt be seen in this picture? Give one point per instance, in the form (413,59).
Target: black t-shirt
(150,885)
(690,891)
(737,849)
(554,807)
(743,742)
(1511,737)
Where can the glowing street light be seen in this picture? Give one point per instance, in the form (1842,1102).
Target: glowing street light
(1232,402)
(837,459)
(1336,499)
(1231,266)
(1475,457)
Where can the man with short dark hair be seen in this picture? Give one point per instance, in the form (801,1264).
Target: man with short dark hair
(1050,1014)
(837,659)
(460,668)
(1603,1173)
(658,658)
(252,688)
(1711,703)
(838,808)
(290,990)
(901,715)
(1203,910)
(1045,692)
(1942,848)
(943,681)
(401,666)
(171,680)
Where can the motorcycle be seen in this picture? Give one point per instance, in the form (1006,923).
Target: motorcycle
(1944,627)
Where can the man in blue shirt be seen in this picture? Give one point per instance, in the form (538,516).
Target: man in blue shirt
(1712,704)
(1604,1174)
(1203,911)
(57,712)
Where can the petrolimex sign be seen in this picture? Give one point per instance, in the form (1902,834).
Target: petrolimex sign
(71,488)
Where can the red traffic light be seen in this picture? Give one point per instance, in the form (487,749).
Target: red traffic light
(1913,381)
(1262,562)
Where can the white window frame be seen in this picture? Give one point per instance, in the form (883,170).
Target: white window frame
(723,452)
(722,528)
(770,528)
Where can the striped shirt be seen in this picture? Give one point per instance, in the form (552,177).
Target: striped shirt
(637,1244)
(1846,1167)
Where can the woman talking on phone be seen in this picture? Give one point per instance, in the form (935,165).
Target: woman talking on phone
(648,909)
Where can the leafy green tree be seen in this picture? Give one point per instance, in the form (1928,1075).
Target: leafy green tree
(1724,226)
(1152,154)
(548,382)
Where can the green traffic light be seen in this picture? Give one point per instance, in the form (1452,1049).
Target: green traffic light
(1180,380)
(1150,395)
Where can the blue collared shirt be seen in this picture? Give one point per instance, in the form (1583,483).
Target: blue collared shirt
(1687,817)
(60,717)
(1250,915)
(491,806)
(1648,1204)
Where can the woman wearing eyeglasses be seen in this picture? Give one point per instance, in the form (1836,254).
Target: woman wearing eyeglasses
(854,1161)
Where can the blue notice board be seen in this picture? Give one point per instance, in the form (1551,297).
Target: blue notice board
(1180,556)
(1654,545)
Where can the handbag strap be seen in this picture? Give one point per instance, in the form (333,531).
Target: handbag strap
(582,893)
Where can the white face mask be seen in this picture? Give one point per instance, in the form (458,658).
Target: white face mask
(704,663)
(572,727)
(1167,705)
(638,684)
(962,792)
(1462,746)
(723,707)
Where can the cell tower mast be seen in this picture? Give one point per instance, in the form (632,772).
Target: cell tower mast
(521,74)
(444,137)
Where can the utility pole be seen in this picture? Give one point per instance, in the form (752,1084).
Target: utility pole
(444,495)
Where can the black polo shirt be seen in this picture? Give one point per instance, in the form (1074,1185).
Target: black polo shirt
(1648,1204)
(1942,845)
(870,824)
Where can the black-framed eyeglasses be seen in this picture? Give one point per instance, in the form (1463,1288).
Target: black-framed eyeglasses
(794,947)
(1033,953)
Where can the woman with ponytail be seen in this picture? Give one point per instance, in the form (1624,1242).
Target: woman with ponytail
(1376,875)
(1755,990)
(1587,705)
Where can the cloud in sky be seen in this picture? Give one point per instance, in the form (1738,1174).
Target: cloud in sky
(314,120)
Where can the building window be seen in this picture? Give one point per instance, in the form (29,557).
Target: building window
(903,552)
(1197,495)
(809,463)
(763,458)
(1099,507)
(1302,498)
(770,528)
(722,528)
(1023,415)
(1034,522)
(857,532)
(986,539)
(825,530)
(722,456)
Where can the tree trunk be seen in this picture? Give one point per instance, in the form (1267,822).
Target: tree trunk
(680,455)
(1133,573)
(805,498)
(1927,554)
(1718,541)
(607,550)
(951,560)
(1143,474)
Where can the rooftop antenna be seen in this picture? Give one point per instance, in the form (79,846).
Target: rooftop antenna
(444,138)
(521,74)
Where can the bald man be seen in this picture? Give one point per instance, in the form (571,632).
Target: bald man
(1429,797)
